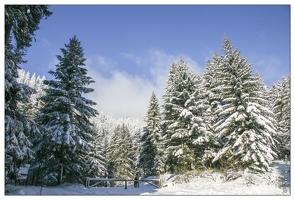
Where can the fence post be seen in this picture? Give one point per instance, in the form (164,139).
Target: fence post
(87,182)
(125,184)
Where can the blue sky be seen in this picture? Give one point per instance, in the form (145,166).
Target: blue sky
(129,49)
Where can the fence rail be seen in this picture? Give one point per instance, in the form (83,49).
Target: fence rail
(99,180)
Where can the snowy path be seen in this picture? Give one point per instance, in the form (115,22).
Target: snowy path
(212,184)
(78,189)
(198,186)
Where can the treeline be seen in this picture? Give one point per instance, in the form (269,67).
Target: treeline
(224,118)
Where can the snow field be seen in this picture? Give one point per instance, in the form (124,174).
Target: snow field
(192,183)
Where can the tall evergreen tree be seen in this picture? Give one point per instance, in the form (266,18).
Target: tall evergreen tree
(136,147)
(153,114)
(178,117)
(147,154)
(212,100)
(244,132)
(97,158)
(285,123)
(198,105)
(121,156)
(66,115)
(280,101)
(150,138)
(19,128)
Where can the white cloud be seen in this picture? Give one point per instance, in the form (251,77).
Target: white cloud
(101,63)
(122,94)
(160,62)
(133,57)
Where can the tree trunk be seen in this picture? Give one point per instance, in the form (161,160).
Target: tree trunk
(7,32)
(59,177)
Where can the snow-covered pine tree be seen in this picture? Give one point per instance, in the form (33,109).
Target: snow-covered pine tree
(136,147)
(150,138)
(179,117)
(104,127)
(268,112)
(198,105)
(212,79)
(280,101)
(34,105)
(242,127)
(97,157)
(120,154)
(110,123)
(285,123)
(19,28)
(153,116)
(18,126)
(39,87)
(106,152)
(147,154)
(26,107)
(23,77)
(153,120)
(66,116)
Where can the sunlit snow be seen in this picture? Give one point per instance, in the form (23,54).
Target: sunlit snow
(276,182)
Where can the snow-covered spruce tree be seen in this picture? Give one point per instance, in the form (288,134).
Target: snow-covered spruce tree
(121,157)
(32,110)
(66,117)
(150,138)
(268,112)
(198,105)
(285,123)
(35,103)
(19,128)
(242,126)
(153,120)
(153,116)
(212,84)
(106,150)
(103,127)
(147,154)
(136,147)
(281,103)
(96,160)
(179,118)
(23,77)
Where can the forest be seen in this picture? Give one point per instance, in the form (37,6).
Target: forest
(225,118)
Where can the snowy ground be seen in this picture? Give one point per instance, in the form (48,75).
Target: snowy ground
(206,183)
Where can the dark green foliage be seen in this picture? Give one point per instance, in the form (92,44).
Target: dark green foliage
(281,103)
(22,21)
(150,139)
(66,114)
(147,154)
(20,130)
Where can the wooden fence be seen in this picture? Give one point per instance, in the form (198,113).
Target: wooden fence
(150,181)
